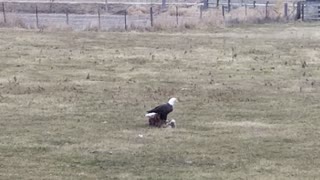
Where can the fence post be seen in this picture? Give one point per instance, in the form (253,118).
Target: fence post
(125,20)
(298,15)
(245,9)
(151,16)
(217,4)
(4,13)
(267,14)
(205,4)
(37,18)
(201,8)
(254,4)
(106,5)
(229,6)
(99,19)
(302,11)
(223,11)
(67,17)
(286,10)
(177,15)
(164,3)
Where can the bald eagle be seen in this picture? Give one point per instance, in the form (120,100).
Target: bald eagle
(162,110)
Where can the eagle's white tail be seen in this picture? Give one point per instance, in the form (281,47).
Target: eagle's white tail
(150,115)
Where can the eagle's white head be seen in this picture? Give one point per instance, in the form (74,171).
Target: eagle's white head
(172,101)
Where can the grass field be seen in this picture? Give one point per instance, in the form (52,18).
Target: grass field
(72,104)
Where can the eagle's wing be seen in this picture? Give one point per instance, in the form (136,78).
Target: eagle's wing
(158,109)
(163,110)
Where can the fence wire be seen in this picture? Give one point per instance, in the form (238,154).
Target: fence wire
(144,17)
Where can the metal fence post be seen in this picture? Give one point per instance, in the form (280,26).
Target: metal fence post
(229,6)
(302,11)
(4,13)
(164,3)
(286,10)
(99,19)
(106,5)
(267,13)
(67,17)
(151,16)
(177,15)
(298,15)
(245,9)
(205,4)
(37,18)
(254,4)
(223,7)
(125,20)
(217,4)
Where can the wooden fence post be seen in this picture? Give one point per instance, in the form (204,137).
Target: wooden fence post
(267,13)
(67,17)
(125,20)
(254,4)
(99,19)
(286,10)
(177,15)
(37,18)
(4,13)
(229,6)
(151,16)
(217,4)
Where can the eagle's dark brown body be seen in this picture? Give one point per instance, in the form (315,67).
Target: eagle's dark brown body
(156,121)
(162,110)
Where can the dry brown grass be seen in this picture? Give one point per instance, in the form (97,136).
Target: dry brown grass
(212,18)
(188,18)
(13,21)
(249,105)
(138,10)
